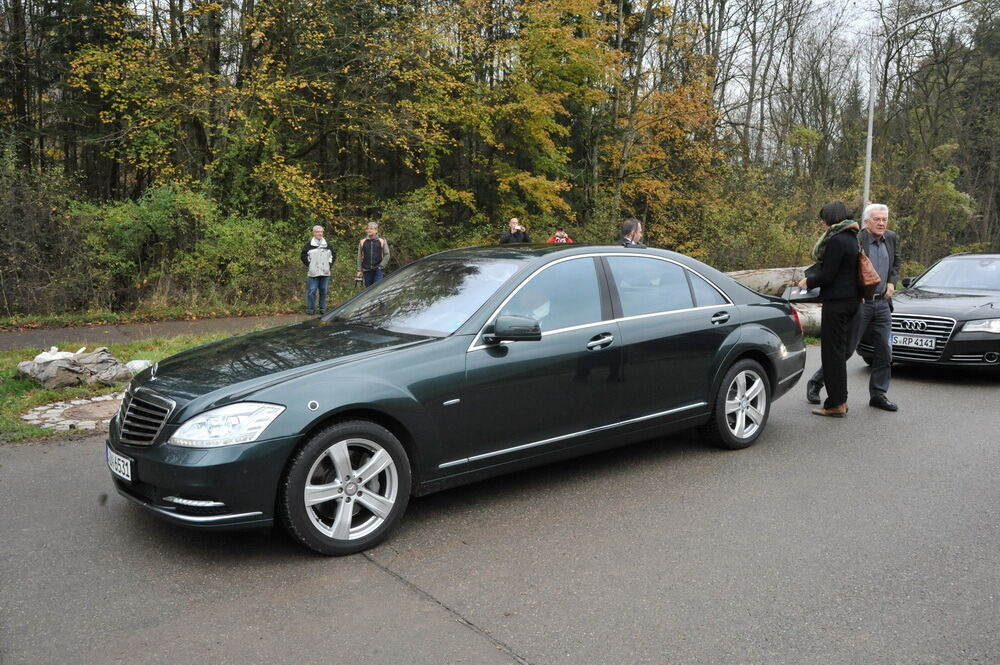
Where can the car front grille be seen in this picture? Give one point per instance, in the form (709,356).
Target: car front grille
(967,358)
(142,416)
(938,327)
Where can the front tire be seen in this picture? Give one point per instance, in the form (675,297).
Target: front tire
(742,406)
(346,489)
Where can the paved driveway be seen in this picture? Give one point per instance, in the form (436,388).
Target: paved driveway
(870,540)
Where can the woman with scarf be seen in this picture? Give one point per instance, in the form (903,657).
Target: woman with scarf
(836,274)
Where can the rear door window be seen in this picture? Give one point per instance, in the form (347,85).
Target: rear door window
(705,295)
(647,286)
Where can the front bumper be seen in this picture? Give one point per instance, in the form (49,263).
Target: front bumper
(962,349)
(228,487)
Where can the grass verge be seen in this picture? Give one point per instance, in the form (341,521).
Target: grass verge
(141,315)
(18,394)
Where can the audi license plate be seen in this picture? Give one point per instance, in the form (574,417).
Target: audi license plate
(912,341)
(120,465)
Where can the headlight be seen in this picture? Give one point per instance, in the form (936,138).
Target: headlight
(983,325)
(228,425)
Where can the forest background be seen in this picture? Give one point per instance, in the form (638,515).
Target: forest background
(177,152)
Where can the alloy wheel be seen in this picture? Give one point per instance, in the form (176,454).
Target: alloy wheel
(350,489)
(746,404)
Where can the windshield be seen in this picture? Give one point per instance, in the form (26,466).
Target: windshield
(972,272)
(430,297)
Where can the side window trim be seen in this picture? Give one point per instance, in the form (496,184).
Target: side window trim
(694,296)
(611,306)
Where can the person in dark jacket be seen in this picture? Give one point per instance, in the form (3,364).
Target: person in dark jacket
(373,255)
(836,275)
(881,246)
(516,232)
(631,233)
(318,255)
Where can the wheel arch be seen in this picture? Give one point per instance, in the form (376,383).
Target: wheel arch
(394,425)
(751,353)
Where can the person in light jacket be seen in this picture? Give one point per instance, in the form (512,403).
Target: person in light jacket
(317,255)
(373,255)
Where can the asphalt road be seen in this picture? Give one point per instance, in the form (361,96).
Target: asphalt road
(874,539)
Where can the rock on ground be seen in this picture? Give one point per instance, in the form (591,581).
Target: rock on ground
(98,366)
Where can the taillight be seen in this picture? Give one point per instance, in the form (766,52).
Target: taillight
(798,321)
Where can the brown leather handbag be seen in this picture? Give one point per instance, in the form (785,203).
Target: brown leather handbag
(868,279)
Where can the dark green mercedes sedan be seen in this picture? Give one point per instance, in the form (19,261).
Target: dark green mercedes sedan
(462,365)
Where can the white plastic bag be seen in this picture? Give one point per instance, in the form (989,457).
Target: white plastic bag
(55,354)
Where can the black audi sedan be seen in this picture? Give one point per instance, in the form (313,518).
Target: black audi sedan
(462,365)
(949,315)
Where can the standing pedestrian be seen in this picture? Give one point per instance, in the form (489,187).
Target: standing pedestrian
(630,234)
(560,236)
(836,274)
(373,255)
(881,246)
(317,255)
(515,232)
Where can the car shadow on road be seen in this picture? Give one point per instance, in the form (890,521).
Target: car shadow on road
(607,467)
(967,376)
(263,547)
(254,546)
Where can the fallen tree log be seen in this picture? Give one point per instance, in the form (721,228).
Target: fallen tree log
(769,281)
(810,314)
(772,282)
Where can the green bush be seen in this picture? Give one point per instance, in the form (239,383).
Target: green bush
(44,261)
(241,260)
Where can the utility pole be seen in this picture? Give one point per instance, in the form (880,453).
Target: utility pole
(871,90)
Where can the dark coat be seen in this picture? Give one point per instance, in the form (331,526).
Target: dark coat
(517,236)
(838,277)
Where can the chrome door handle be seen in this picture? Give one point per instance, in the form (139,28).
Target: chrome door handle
(600,342)
(720,317)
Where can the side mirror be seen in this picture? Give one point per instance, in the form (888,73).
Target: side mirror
(512,328)
(907,281)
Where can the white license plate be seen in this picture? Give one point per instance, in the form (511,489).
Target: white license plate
(120,466)
(913,341)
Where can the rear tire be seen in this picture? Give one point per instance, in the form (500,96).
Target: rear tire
(741,407)
(346,489)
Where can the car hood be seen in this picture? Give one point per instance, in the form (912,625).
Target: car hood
(251,360)
(959,305)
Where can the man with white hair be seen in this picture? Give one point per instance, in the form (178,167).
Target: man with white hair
(317,255)
(874,324)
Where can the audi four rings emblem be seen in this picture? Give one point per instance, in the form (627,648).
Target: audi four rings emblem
(913,325)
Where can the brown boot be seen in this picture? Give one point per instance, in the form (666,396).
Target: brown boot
(838,411)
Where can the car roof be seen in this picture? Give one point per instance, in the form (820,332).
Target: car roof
(971,255)
(536,254)
(536,251)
